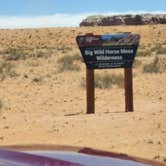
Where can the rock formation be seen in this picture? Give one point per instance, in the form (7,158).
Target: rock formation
(142,19)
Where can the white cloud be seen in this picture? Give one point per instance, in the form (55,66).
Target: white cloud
(57,20)
(41,21)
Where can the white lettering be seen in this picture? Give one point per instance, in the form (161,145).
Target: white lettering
(98,52)
(106,58)
(88,52)
(126,51)
(112,51)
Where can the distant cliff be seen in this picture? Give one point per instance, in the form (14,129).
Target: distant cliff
(141,19)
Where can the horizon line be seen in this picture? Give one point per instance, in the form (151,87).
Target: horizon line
(57,20)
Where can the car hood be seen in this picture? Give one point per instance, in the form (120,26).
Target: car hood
(56,156)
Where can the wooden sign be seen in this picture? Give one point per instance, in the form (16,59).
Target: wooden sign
(107,52)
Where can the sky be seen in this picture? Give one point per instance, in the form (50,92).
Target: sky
(53,13)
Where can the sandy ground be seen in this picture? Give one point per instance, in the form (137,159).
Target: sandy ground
(53,110)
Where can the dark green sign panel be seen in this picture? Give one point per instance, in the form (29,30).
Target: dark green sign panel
(108,51)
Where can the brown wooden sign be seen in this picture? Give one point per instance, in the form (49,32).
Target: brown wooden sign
(109,51)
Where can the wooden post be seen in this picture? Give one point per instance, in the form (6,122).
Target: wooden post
(128,90)
(90,91)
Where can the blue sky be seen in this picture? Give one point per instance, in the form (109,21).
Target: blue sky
(36,10)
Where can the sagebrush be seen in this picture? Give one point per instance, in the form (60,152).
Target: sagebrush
(67,63)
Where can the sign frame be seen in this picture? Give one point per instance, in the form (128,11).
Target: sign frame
(90,77)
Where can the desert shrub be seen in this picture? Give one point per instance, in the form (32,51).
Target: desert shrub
(12,57)
(77,57)
(141,53)
(38,53)
(162,50)
(6,70)
(104,81)
(66,63)
(156,48)
(65,49)
(157,66)
(159,49)
(152,67)
(12,54)
(149,141)
(142,46)
(37,79)
(137,63)
(164,159)
(33,63)
(50,34)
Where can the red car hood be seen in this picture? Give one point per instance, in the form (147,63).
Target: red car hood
(66,156)
(13,158)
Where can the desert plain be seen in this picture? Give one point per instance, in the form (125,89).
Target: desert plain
(43,95)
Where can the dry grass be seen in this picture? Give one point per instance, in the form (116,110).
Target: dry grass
(161,50)
(6,70)
(65,37)
(104,81)
(158,65)
(66,63)
(137,63)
